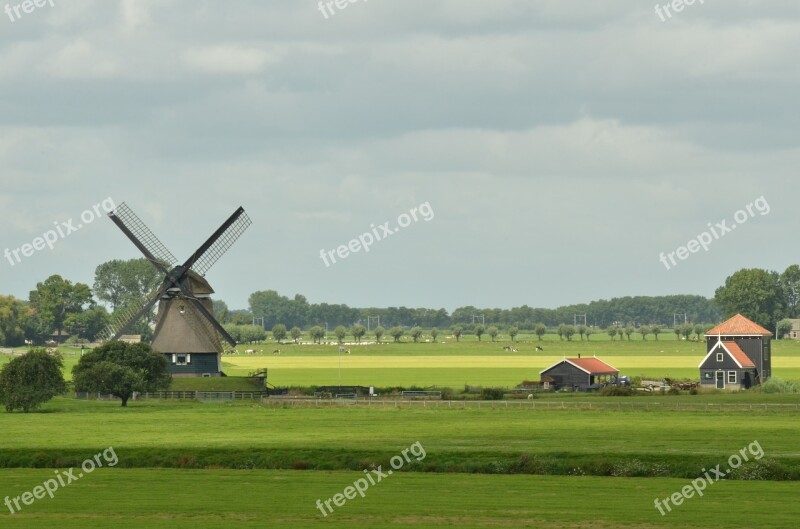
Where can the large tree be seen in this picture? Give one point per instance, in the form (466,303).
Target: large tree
(274,308)
(790,285)
(120,369)
(14,316)
(379,332)
(87,324)
(358,332)
(755,293)
(30,380)
(119,282)
(397,333)
(279,332)
(340,332)
(56,298)
(784,328)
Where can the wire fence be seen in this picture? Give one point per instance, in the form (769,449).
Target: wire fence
(531,404)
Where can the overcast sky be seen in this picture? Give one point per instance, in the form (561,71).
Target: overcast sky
(561,145)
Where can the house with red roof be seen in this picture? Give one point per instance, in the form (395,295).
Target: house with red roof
(738,355)
(578,374)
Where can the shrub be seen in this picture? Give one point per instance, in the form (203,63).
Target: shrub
(693,391)
(673,391)
(616,391)
(777,385)
(28,381)
(492,393)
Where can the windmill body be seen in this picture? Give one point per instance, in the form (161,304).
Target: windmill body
(186,331)
(189,352)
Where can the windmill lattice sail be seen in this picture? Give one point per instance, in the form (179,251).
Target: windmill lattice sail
(142,234)
(221,245)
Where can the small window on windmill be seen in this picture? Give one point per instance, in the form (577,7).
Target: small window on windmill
(182,360)
(719,357)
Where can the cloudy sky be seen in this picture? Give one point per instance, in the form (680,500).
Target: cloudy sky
(560,145)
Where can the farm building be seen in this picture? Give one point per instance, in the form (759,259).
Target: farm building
(795,332)
(578,374)
(738,355)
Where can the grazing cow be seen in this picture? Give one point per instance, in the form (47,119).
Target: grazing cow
(250,351)
(276,352)
(507,348)
(341,349)
(530,396)
(514,350)
(52,350)
(347,352)
(539,348)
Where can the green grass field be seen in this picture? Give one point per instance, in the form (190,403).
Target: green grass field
(194,464)
(453,364)
(178,499)
(335,444)
(482,363)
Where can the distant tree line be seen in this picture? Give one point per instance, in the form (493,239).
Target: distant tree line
(273,308)
(58,306)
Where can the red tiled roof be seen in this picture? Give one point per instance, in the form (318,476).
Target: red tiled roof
(738,326)
(594,366)
(740,356)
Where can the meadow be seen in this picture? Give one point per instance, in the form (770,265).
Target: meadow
(224,464)
(187,499)
(473,362)
(192,464)
(485,363)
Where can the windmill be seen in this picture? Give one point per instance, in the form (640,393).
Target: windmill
(186,330)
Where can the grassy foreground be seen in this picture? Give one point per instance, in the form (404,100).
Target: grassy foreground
(177,499)
(534,441)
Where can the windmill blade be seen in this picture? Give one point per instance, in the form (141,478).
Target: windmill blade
(126,317)
(144,239)
(219,242)
(213,321)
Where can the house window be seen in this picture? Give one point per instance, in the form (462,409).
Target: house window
(181,360)
(731,377)
(708,375)
(719,357)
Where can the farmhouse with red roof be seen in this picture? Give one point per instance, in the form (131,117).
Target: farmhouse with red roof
(738,355)
(578,374)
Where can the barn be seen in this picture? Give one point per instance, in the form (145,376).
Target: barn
(738,355)
(579,374)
